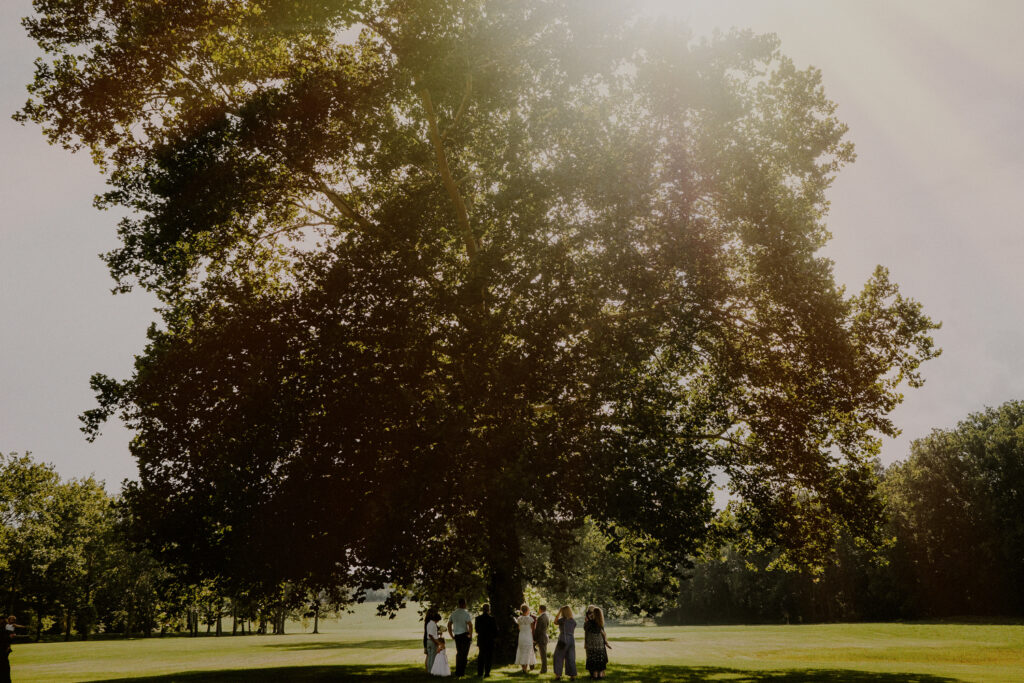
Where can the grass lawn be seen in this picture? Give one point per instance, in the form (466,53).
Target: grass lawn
(362,646)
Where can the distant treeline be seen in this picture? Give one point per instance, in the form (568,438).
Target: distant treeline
(952,545)
(68,569)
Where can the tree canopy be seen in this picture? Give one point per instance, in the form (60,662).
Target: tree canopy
(438,276)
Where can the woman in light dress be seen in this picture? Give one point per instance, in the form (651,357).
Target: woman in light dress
(524,653)
(440,666)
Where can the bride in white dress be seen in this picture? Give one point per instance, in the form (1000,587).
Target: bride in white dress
(524,653)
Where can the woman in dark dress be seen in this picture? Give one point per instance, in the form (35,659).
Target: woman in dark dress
(595,642)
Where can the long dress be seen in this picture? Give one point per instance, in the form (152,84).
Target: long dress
(440,667)
(593,643)
(431,645)
(565,648)
(524,653)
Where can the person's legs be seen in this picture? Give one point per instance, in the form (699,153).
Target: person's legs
(559,659)
(542,650)
(462,643)
(431,654)
(570,660)
(487,655)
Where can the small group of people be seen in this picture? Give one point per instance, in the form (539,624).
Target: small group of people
(460,627)
(532,642)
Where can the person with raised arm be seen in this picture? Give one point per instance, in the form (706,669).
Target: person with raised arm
(565,648)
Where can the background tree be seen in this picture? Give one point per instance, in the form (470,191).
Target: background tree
(439,276)
(27,491)
(955,508)
(80,541)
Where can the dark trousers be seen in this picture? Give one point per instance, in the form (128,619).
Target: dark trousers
(542,654)
(5,668)
(565,657)
(462,643)
(484,659)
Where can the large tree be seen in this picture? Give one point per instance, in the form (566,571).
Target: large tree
(442,276)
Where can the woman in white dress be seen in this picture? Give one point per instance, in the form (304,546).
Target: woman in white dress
(524,653)
(440,666)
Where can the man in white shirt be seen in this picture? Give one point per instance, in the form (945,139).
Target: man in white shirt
(460,626)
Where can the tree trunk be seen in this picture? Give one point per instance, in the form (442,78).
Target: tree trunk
(505,580)
(67,625)
(12,590)
(39,622)
(316,620)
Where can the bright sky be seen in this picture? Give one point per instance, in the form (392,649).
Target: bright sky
(931,90)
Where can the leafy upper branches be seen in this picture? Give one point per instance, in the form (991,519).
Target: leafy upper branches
(440,274)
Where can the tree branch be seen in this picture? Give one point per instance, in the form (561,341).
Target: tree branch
(715,437)
(343,207)
(472,248)
(462,107)
(311,210)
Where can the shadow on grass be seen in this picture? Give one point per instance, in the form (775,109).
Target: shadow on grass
(408,644)
(695,674)
(639,639)
(636,674)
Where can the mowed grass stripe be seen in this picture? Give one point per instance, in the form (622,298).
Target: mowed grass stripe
(361,645)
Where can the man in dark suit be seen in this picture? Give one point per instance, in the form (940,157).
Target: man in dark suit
(486,633)
(540,637)
(5,654)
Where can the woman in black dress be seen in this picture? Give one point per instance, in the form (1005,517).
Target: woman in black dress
(595,642)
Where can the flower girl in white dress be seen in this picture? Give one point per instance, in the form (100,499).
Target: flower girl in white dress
(440,667)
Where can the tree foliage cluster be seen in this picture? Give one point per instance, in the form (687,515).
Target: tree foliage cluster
(954,543)
(59,557)
(69,568)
